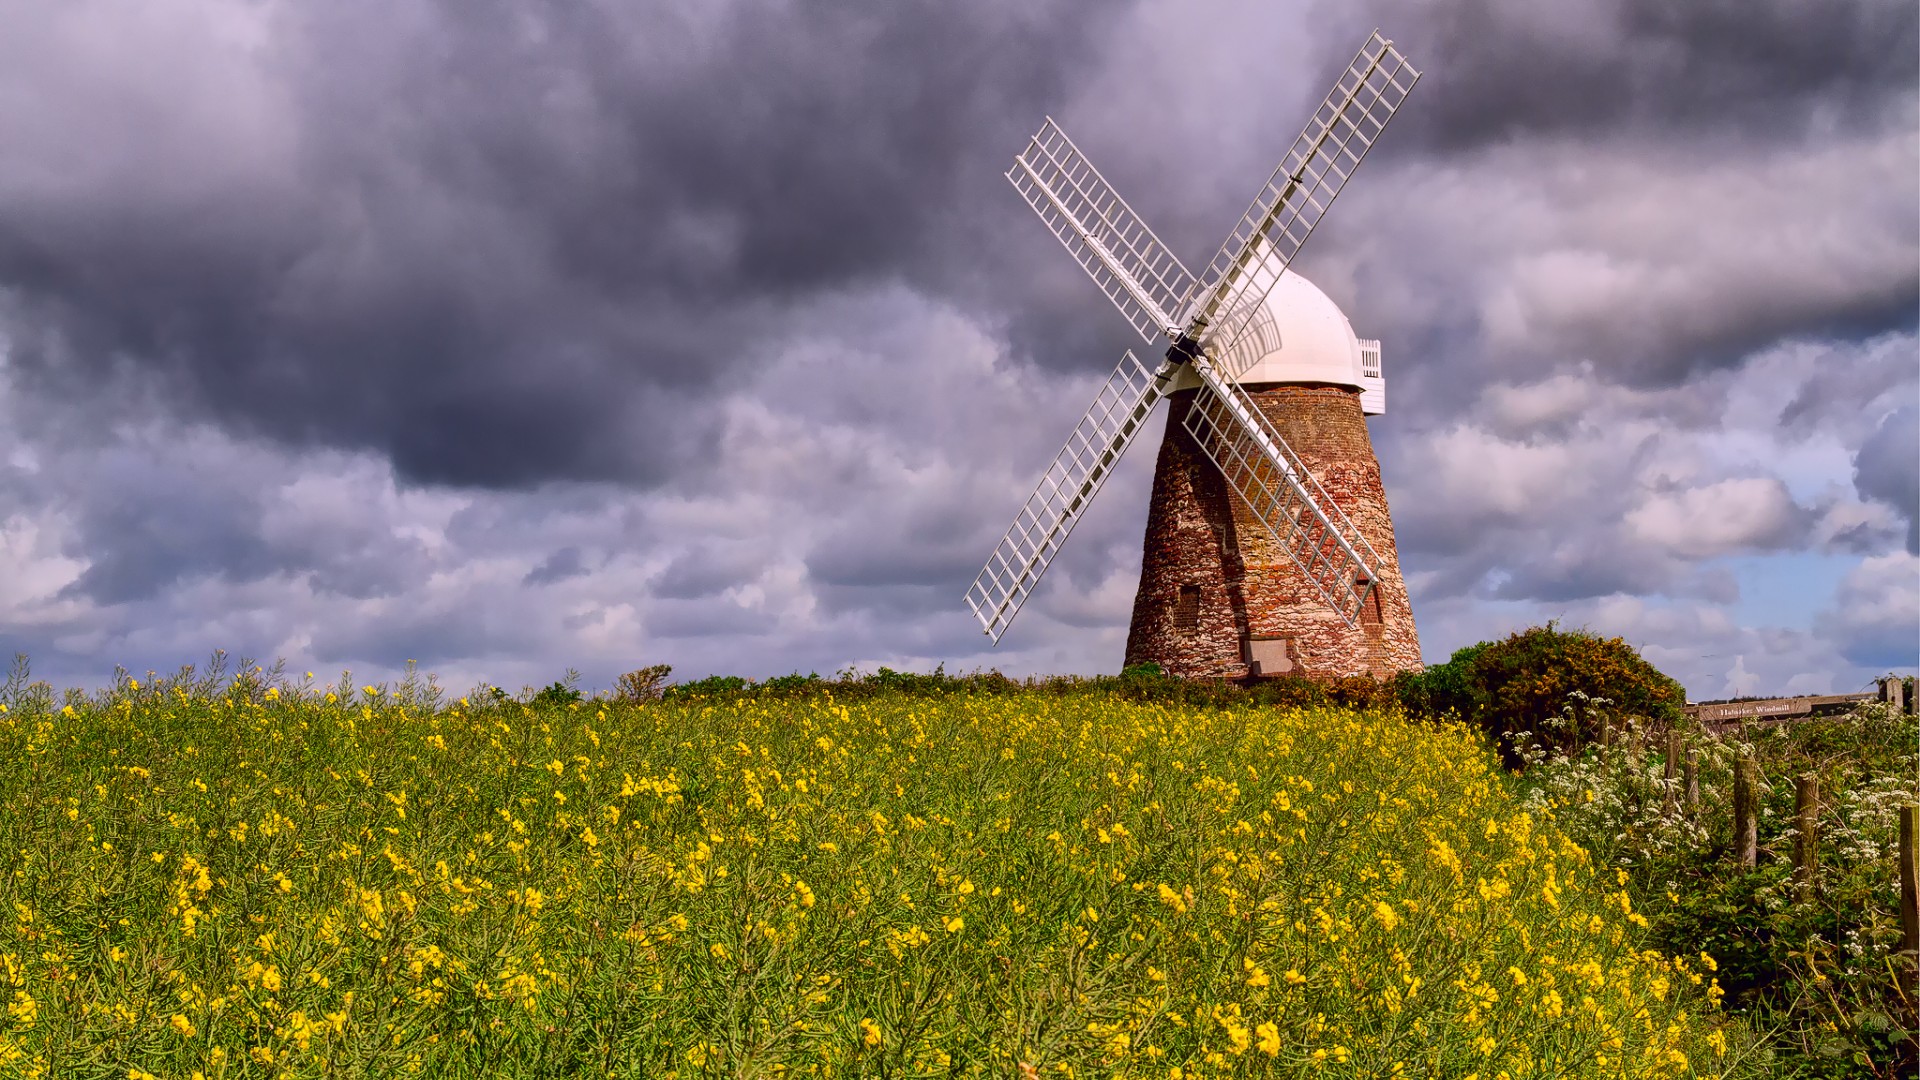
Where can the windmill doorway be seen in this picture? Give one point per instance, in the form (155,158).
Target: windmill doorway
(1269,654)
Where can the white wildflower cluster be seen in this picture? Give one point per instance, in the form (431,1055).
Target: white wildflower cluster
(1622,791)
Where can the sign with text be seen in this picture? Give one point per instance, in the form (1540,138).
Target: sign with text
(1771,707)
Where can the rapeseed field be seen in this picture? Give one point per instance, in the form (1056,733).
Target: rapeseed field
(288,880)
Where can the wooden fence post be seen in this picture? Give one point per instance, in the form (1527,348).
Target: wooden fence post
(1806,845)
(1669,770)
(1909,886)
(1691,780)
(1746,801)
(1893,691)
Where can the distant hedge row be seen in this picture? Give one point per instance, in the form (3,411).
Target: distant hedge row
(1556,685)
(1144,683)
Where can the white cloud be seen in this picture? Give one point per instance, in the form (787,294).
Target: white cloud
(1749,513)
(34,569)
(1875,616)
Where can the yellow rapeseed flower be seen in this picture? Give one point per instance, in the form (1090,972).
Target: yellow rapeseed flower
(1384,913)
(1269,1036)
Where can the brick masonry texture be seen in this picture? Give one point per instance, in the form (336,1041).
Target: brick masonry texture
(1200,534)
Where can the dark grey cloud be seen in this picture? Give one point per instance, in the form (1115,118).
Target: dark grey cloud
(1717,70)
(562,564)
(937,544)
(148,531)
(683,619)
(151,513)
(503,245)
(1657,190)
(1840,400)
(1888,467)
(435,637)
(705,572)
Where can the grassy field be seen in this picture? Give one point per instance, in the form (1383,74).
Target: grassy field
(244,879)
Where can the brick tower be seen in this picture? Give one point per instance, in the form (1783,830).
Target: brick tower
(1218,597)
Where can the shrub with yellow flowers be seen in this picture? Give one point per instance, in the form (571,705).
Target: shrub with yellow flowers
(215,881)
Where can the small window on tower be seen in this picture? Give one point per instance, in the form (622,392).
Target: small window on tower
(1186,610)
(1370,609)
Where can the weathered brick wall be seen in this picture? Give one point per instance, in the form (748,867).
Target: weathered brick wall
(1198,535)
(1190,541)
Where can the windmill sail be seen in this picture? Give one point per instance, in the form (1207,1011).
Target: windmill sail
(1070,483)
(1105,236)
(1294,199)
(1269,478)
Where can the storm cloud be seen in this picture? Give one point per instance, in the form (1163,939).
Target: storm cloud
(497,245)
(508,339)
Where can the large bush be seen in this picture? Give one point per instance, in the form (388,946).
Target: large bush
(1556,686)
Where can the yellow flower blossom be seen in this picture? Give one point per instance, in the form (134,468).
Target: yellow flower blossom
(1384,914)
(1238,1038)
(1269,1038)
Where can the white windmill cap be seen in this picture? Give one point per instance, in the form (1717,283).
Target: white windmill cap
(1301,335)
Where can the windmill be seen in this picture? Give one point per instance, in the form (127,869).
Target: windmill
(1256,353)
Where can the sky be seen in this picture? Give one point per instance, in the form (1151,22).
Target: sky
(506,339)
